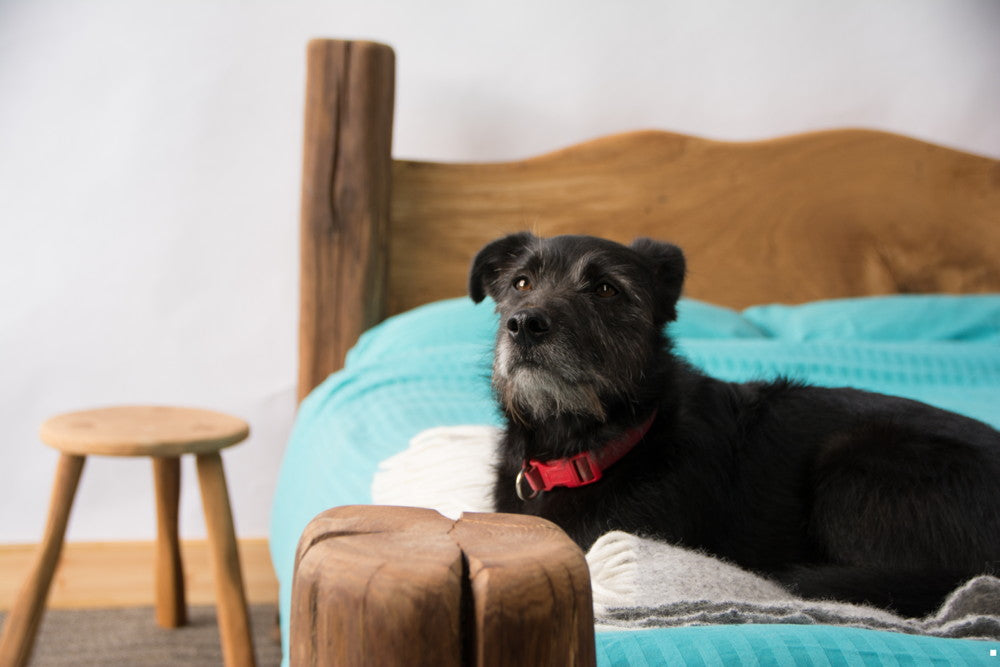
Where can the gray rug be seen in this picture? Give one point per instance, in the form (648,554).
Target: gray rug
(131,636)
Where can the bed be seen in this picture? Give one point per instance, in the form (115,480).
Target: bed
(842,257)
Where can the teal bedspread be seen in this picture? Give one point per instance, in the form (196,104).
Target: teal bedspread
(431,366)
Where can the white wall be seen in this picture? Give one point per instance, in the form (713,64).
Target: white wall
(150,156)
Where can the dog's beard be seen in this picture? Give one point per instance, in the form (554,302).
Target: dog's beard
(532,394)
(537,391)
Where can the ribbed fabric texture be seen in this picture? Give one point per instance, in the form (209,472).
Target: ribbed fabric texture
(738,645)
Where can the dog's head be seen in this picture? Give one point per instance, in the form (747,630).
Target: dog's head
(581,319)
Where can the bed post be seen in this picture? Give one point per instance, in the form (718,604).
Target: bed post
(347,165)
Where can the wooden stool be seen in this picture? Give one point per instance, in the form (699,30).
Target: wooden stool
(407,586)
(163,434)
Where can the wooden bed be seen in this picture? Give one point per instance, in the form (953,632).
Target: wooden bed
(832,214)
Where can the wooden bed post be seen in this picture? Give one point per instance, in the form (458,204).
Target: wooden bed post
(347,165)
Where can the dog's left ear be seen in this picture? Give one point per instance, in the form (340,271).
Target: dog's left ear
(668,265)
(492,259)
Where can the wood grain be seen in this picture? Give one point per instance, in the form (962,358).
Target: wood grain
(824,215)
(171,610)
(21,626)
(396,585)
(377,586)
(231,604)
(119,574)
(143,430)
(355,519)
(530,588)
(345,200)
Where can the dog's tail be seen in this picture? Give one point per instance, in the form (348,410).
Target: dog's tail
(907,593)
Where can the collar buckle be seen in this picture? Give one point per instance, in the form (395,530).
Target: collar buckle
(577,470)
(586,468)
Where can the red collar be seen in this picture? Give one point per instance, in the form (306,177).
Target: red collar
(581,469)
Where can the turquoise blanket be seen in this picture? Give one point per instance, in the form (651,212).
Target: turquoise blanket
(431,367)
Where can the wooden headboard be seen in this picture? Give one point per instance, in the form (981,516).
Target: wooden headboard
(822,215)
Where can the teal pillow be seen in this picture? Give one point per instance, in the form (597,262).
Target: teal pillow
(910,318)
(443,324)
(698,319)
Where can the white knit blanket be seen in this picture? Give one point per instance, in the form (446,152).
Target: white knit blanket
(642,583)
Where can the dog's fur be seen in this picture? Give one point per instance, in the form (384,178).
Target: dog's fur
(836,493)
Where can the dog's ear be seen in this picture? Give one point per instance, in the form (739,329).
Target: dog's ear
(493,259)
(668,265)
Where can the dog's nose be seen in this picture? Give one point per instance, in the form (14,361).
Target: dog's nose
(528,326)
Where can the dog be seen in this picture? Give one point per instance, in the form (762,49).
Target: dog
(834,493)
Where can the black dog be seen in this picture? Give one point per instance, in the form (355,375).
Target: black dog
(836,493)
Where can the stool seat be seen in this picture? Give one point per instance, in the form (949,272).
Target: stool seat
(143,431)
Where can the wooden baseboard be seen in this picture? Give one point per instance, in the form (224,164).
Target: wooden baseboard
(120,574)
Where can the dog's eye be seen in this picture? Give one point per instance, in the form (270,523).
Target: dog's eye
(522,284)
(605,291)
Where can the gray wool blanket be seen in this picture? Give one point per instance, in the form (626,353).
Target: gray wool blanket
(642,583)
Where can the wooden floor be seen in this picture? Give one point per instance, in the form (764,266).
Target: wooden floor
(120,574)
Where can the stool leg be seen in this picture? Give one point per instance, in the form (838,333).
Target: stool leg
(171,610)
(231,605)
(22,623)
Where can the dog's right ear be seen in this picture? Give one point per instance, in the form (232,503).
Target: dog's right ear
(493,259)
(668,265)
